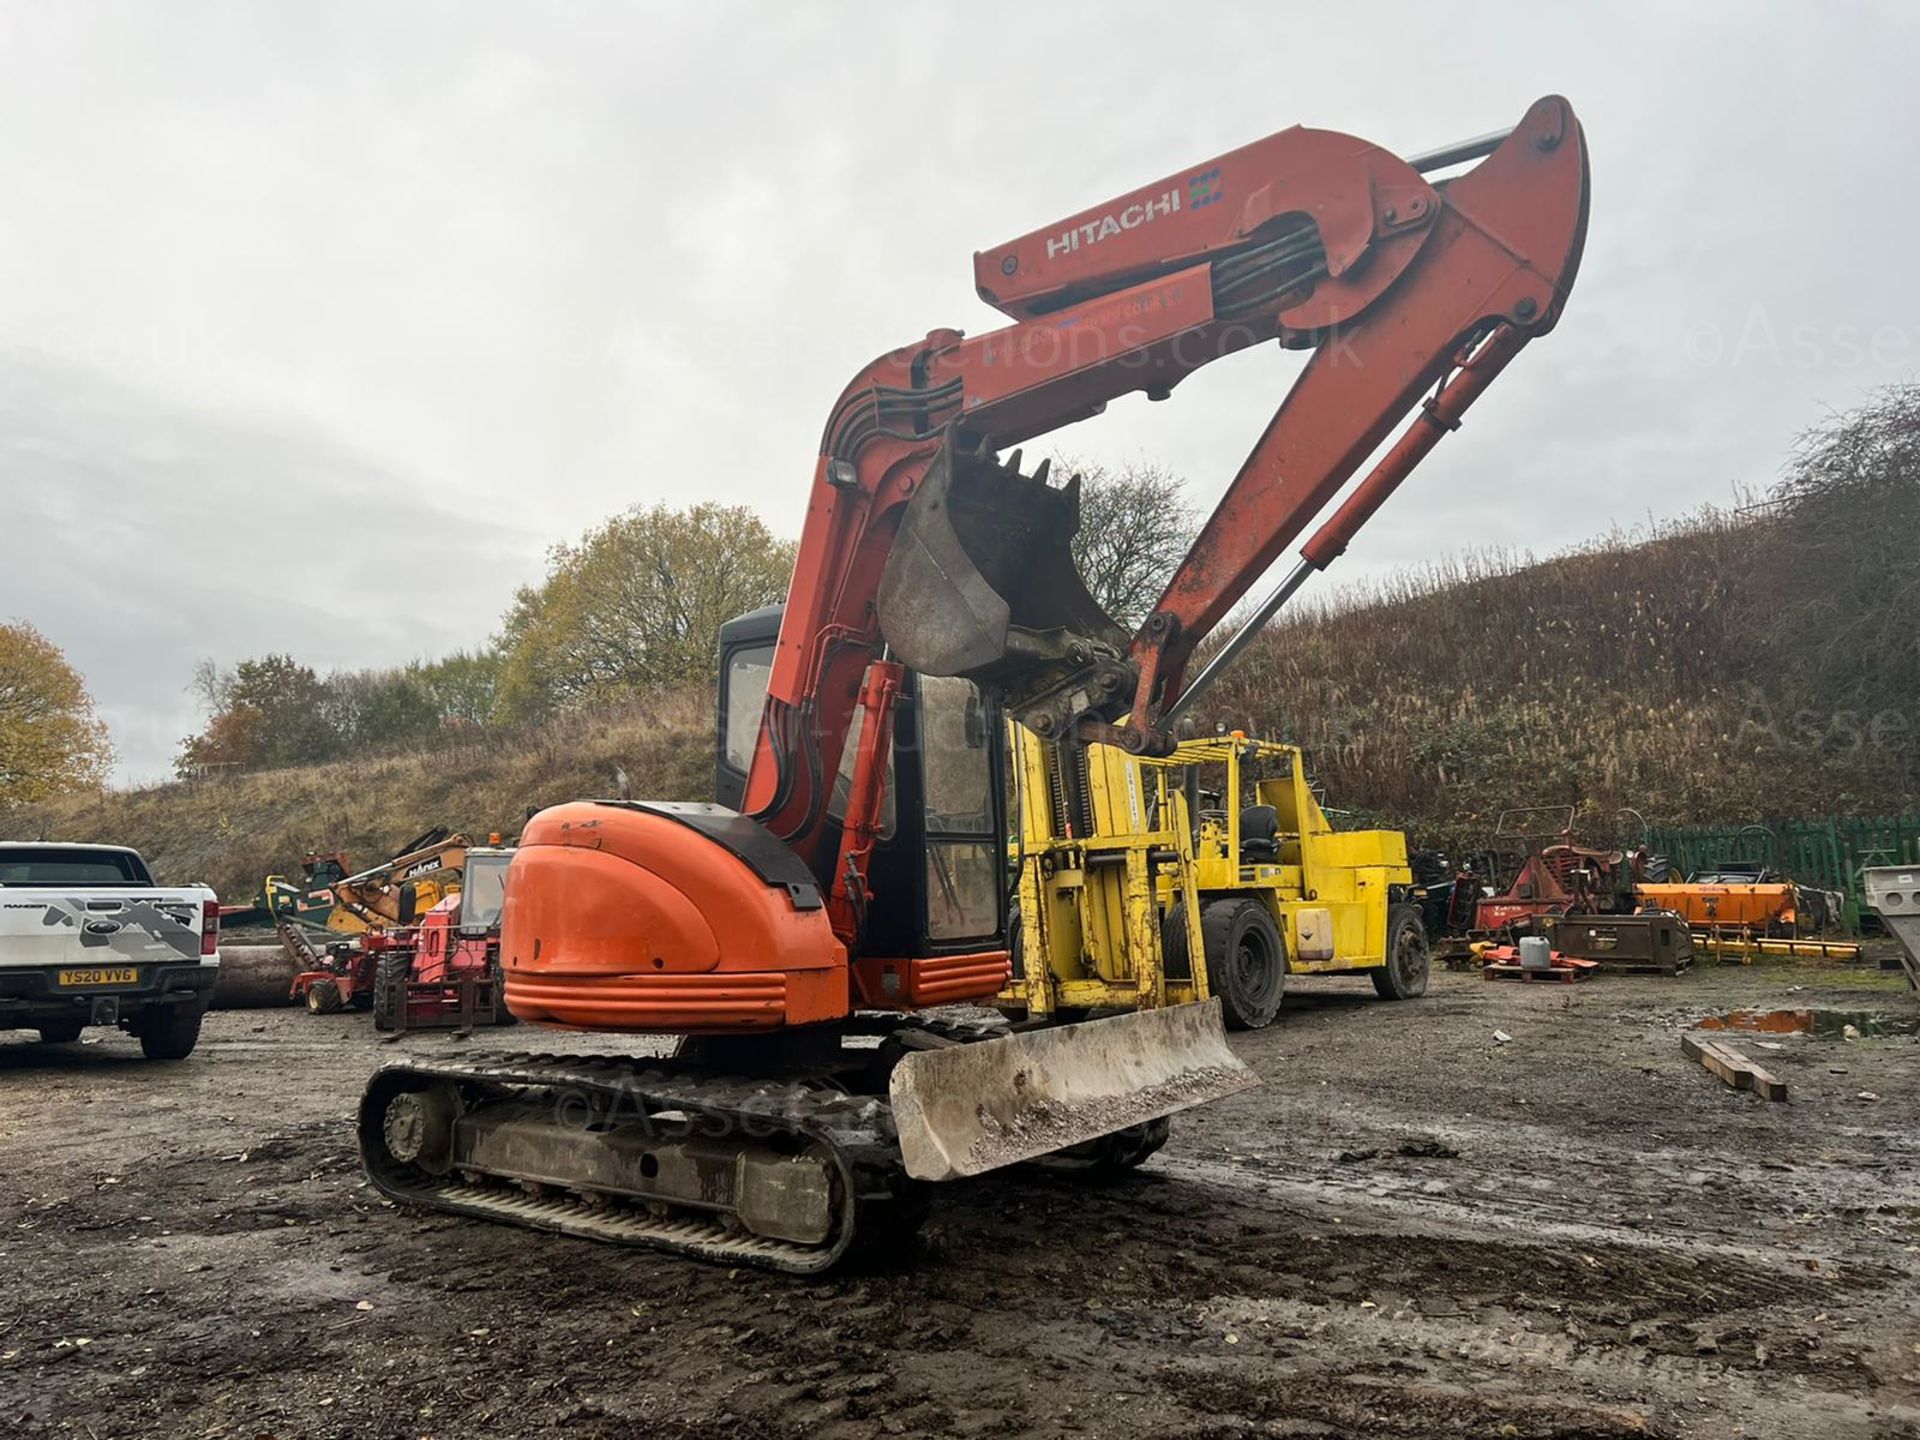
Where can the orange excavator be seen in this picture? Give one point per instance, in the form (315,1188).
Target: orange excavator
(802,939)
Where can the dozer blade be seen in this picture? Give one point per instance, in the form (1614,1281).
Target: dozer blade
(981,583)
(972,1108)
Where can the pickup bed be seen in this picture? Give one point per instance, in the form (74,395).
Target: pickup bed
(87,938)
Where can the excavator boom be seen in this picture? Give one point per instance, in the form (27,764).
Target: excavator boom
(1312,239)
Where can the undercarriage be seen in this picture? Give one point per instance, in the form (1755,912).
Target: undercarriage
(745,1151)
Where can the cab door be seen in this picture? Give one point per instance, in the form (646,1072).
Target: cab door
(938,872)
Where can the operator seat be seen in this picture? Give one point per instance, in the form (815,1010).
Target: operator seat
(1259,833)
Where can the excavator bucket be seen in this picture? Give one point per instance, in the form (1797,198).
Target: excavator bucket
(981,582)
(970,1108)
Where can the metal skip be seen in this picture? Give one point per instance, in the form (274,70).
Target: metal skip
(971,1108)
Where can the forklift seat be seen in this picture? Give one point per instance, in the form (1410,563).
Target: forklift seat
(1259,833)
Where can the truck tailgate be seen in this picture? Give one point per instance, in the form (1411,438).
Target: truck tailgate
(40,927)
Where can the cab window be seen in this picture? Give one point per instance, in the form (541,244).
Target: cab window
(749,669)
(956,767)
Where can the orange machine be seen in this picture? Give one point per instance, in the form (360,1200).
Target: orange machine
(856,877)
(1733,903)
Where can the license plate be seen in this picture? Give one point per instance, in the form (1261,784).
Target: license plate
(130,975)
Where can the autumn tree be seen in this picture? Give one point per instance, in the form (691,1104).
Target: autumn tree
(1135,528)
(51,742)
(265,713)
(464,686)
(636,604)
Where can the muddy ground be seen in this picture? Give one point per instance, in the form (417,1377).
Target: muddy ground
(1412,1230)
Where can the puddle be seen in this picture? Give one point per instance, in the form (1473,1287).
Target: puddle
(1822,1024)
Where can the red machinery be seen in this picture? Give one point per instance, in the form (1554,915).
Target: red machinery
(794,941)
(442,972)
(1562,878)
(1585,901)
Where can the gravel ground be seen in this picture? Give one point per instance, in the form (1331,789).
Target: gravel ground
(1412,1228)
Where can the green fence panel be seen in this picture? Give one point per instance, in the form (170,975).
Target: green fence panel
(1829,854)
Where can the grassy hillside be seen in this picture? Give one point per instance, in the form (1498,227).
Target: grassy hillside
(232,832)
(1721,670)
(1681,675)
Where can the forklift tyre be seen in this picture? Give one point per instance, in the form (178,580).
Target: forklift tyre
(1246,960)
(390,990)
(1409,962)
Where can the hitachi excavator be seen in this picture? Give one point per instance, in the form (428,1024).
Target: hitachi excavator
(803,938)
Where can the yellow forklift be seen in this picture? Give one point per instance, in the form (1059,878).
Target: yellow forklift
(1210,872)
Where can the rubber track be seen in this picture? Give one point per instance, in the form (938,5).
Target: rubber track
(878,1204)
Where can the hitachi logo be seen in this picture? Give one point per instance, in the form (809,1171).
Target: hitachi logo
(1131,218)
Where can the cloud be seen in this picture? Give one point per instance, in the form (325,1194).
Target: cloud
(140,536)
(289,294)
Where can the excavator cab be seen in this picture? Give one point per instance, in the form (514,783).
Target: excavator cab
(937,874)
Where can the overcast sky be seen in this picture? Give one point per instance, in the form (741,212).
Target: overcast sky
(320,322)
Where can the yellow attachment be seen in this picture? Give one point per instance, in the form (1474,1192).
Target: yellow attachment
(1090,882)
(1746,947)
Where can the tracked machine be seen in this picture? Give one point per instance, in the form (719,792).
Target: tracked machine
(803,937)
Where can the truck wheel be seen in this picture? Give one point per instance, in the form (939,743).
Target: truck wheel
(1404,976)
(389,991)
(1246,960)
(323,997)
(61,1032)
(1173,942)
(501,1015)
(1017,957)
(169,1032)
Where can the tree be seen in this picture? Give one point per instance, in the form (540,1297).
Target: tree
(1135,528)
(267,713)
(637,604)
(1845,578)
(379,709)
(465,686)
(51,742)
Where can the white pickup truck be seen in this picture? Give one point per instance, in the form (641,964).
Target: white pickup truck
(87,938)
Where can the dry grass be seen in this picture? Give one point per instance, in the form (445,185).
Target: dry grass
(232,832)
(1643,671)
(1692,674)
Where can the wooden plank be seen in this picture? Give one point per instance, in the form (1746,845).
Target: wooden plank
(1707,1052)
(1767,1084)
(1733,1067)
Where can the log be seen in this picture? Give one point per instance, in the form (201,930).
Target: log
(253,977)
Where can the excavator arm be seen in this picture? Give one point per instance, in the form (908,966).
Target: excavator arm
(397,892)
(918,544)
